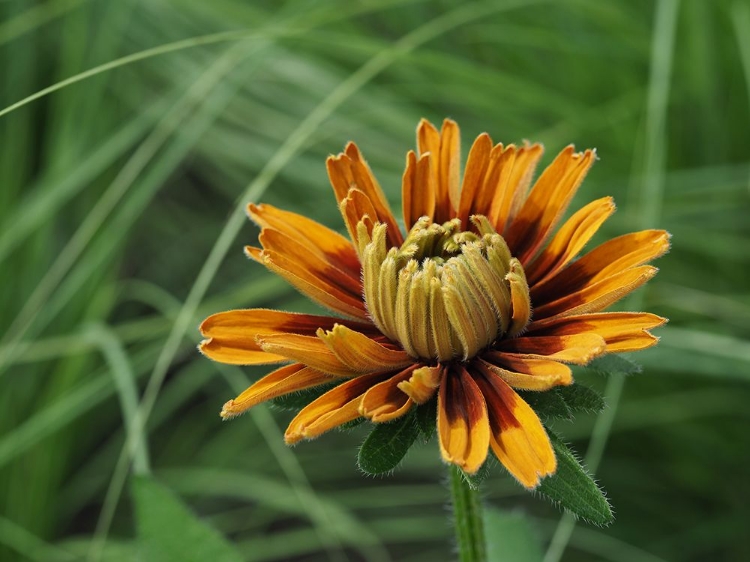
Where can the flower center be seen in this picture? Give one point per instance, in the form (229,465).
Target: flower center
(445,294)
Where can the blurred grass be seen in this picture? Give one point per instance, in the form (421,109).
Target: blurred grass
(118,183)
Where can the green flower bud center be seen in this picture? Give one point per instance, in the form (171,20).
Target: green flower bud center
(445,294)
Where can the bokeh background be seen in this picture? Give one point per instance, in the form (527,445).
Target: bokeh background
(143,129)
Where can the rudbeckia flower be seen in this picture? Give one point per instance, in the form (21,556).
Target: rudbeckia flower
(477,296)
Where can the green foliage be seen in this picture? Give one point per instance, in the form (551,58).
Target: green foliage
(511,537)
(565,401)
(426,418)
(122,206)
(574,489)
(387,444)
(614,364)
(168,531)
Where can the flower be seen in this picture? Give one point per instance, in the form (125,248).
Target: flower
(478,298)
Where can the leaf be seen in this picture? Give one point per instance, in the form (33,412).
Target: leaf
(475,480)
(298,400)
(426,418)
(581,398)
(510,537)
(168,531)
(387,444)
(612,364)
(572,487)
(548,405)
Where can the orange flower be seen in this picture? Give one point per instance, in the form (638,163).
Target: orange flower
(447,308)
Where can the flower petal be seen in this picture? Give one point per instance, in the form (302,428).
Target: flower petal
(287,379)
(622,331)
(338,405)
(547,202)
(445,148)
(599,295)
(570,239)
(349,169)
(607,259)
(508,178)
(385,401)
(327,244)
(417,188)
(518,438)
(231,336)
(462,423)
(422,383)
(474,200)
(578,349)
(311,284)
(360,353)
(312,261)
(525,373)
(309,350)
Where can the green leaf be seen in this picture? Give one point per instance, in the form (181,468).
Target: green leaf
(387,444)
(581,398)
(168,531)
(548,405)
(572,487)
(298,400)
(426,418)
(611,364)
(510,537)
(475,480)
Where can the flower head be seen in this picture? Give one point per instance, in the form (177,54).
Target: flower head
(478,296)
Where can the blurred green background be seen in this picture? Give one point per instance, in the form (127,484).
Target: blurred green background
(122,191)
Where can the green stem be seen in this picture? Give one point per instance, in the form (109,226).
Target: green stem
(467,515)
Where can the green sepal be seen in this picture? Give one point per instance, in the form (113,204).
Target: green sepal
(564,401)
(572,488)
(348,426)
(298,400)
(475,480)
(548,404)
(581,398)
(387,444)
(426,418)
(614,364)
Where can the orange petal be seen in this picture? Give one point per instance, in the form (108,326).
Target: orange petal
(287,379)
(356,207)
(310,284)
(311,351)
(614,256)
(362,354)
(599,295)
(327,244)
(570,239)
(463,426)
(578,349)
(338,405)
(547,202)
(385,401)
(472,188)
(231,336)
(422,383)
(445,148)
(622,331)
(315,263)
(348,170)
(508,179)
(519,298)
(518,438)
(417,189)
(525,373)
